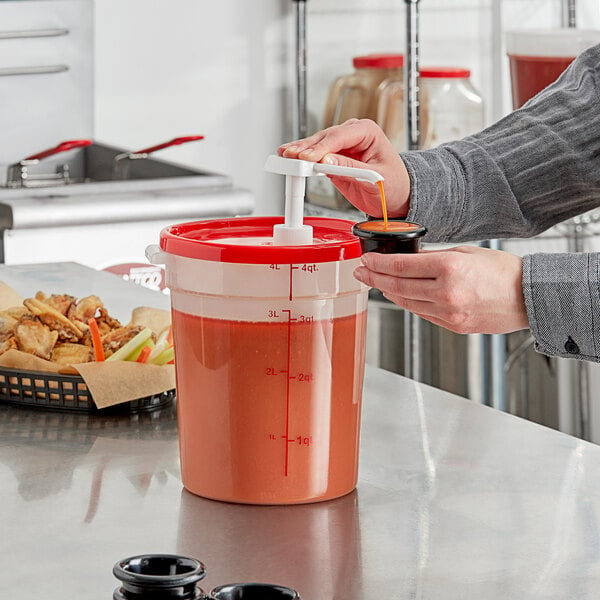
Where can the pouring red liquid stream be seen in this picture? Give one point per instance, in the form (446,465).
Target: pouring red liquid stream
(383,204)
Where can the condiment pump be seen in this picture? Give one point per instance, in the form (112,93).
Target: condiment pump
(293,232)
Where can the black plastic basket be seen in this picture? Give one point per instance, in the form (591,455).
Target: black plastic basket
(66,392)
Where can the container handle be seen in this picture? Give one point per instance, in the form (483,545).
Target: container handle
(155,255)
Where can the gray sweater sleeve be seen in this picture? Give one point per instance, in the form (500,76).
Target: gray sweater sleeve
(536,167)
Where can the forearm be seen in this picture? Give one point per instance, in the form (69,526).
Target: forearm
(536,167)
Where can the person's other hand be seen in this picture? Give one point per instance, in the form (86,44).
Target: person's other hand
(466,289)
(358,143)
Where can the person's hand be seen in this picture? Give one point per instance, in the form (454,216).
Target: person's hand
(466,289)
(358,143)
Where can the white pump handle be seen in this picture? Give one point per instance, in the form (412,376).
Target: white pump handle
(354,172)
(293,231)
(306,168)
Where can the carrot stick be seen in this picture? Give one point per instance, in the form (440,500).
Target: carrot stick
(144,354)
(170,335)
(96,340)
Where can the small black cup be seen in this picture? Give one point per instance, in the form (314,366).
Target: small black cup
(253,591)
(391,240)
(159,575)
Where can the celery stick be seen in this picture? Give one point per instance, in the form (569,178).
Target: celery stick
(133,344)
(165,356)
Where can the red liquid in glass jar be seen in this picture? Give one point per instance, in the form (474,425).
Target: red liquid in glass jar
(531,74)
(251,434)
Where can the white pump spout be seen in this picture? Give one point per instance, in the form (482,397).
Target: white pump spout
(293,232)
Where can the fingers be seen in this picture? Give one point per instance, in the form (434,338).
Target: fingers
(464,289)
(343,161)
(451,318)
(422,265)
(402,287)
(352,137)
(295,148)
(435,319)
(422,284)
(358,143)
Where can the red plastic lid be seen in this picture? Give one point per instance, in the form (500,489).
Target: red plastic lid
(222,240)
(440,72)
(378,61)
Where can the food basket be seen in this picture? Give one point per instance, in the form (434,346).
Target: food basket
(63,392)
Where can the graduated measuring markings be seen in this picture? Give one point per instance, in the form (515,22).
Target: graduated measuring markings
(293,375)
(304,267)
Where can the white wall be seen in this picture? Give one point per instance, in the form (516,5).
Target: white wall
(173,67)
(226,69)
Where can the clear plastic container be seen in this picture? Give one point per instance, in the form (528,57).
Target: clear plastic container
(538,56)
(270,344)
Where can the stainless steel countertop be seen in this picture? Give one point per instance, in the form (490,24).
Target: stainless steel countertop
(455,500)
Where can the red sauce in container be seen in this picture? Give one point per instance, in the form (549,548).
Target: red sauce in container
(232,418)
(538,56)
(389,226)
(391,237)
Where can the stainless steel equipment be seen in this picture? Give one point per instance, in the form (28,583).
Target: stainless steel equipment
(300,108)
(569,13)
(412,323)
(46,74)
(71,202)
(82,199)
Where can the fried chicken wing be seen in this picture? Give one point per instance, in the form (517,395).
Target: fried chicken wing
(67,330)
(105,322)
(85,309)
(60,302)
(8,343)
(113,340)
(16,312)
(7,325)
(71,354)
(34,337)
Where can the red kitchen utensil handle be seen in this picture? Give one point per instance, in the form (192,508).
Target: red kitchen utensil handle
(174,142)
(62,147)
